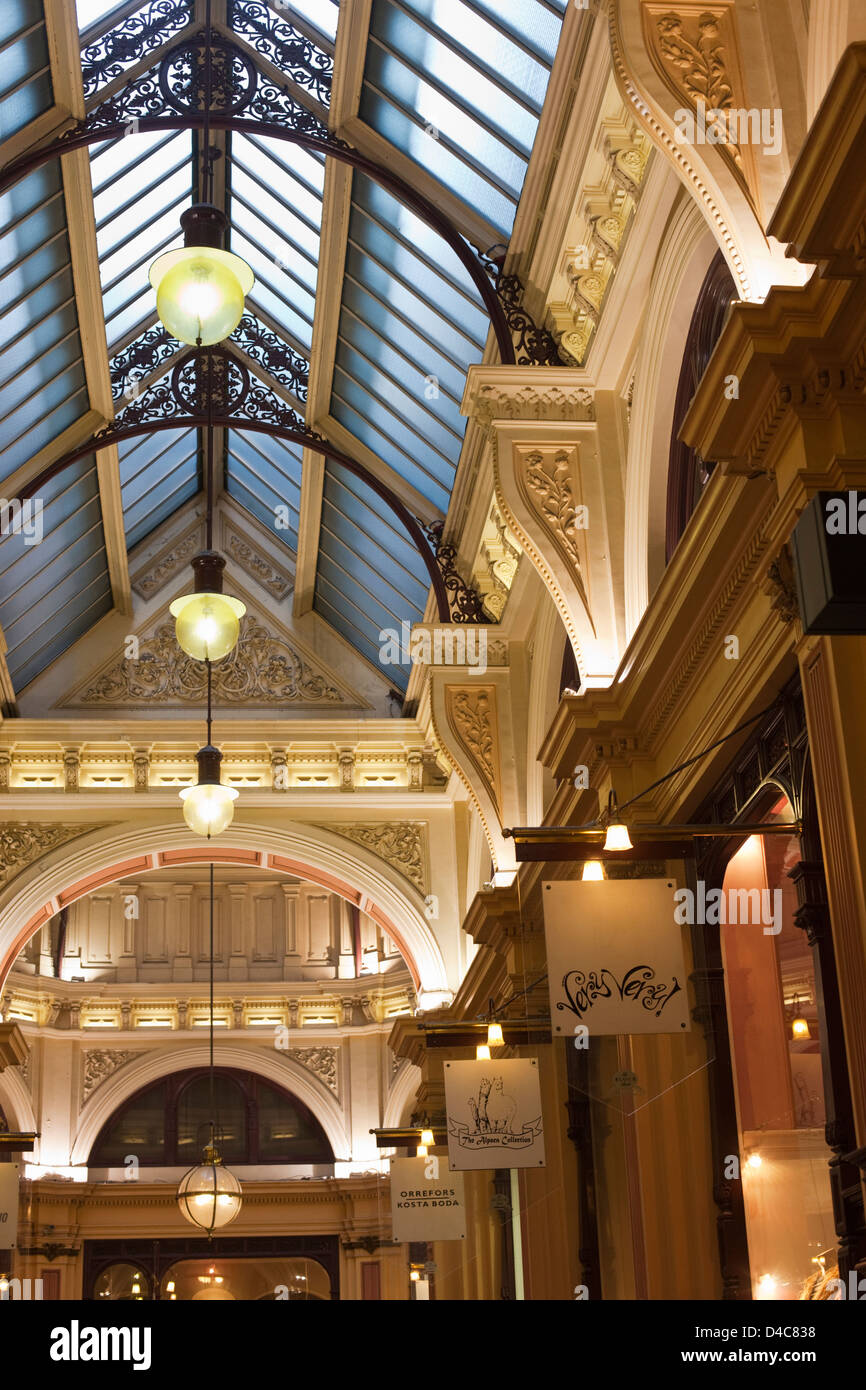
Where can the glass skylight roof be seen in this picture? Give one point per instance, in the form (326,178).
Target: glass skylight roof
(458,87)
(42,384)
(25,76)
(370,575)
(158,473)
(264,475)
(53,591)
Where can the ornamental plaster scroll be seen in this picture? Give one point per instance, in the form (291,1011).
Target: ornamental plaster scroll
(515,399)
(714,204)
(321,1061)
(99,1064)
(260,567)
(402,844)
(22,842)
(472,715)
(265,668)
(158,572)
(548,487)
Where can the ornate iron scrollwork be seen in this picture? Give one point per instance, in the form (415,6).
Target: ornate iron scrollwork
(464,602)
(280,360)
(308,66)
(129,41)
(139,359)
(183,77)
(535,347)
(212,381)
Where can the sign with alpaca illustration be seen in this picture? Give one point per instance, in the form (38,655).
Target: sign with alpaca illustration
(615,958)
(494,1114)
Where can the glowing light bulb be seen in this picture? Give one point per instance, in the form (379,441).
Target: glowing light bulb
(207,625)
(421,1151)
(754,1160)
(617,838)
(200,293)
(208,807)
(767,1286)
(427,1137)
(414,1275)
(593,871)
(482,1053)
(494,1035)
(800,1028)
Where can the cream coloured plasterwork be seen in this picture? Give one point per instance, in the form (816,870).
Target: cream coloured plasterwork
(402,844)
(23,842)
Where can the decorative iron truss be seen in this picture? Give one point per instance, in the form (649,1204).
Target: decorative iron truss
(129,41)
(311,67)
(277,357)
(139,360)
(176,84)
(206,385)
(534,346)
(465,604)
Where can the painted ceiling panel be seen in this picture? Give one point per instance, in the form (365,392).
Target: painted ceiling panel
(51,592)
(370,575)
(158,473)
(264,475)
(41,371)
(25,76)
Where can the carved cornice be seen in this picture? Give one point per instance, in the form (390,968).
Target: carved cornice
(260,567)
(514,394)
(23,842)
(263,669)
(402,844)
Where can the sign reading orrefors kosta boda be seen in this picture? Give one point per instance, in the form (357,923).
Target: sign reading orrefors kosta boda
(494,1114)
(615,961)
(426,1200)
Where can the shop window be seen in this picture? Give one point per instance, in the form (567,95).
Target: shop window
(167,1124)
(775,1046)
(688,473)
(122,1283)
(244,1280)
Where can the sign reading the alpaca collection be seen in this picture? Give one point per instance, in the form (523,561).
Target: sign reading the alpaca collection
(9,1205)
(427,1201)
(494,1114)
(615,959)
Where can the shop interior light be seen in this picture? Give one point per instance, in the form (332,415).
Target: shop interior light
(482,1053)
(494,1035)
(593,871)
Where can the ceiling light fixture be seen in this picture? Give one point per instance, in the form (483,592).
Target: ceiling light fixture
(201,288)
(209,1195)
(593,871)
(208,805)
(617,837)
(207,621)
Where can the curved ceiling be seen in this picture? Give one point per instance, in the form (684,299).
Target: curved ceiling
(361,319)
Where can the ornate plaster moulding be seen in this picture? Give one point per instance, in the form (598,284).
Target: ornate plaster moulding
(402,844)
(23,842)
(152,575)
(270,666)
(533,394)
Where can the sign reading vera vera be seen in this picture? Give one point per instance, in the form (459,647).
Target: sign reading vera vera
(494,1114)
(8,1205)
(615,960)
(427,1200)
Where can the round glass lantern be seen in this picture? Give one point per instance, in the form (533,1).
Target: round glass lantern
(207,621)
(208,805)
(209,1195)
(200,288)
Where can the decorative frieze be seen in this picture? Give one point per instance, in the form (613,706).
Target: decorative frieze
(263,669)
(22,842)
(321,1061)
(156,573)
(507,395)
(262,569)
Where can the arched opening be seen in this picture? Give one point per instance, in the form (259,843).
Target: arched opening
(167,1124)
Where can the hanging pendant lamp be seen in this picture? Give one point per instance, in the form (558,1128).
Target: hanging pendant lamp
(208,805)
(207,621)
(209,1195)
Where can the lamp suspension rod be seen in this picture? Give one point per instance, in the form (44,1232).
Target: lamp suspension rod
(209,708)
(212,1089)
(528,833)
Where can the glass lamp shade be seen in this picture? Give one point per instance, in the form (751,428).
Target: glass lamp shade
(209,1196)
(208,807)
(207,625)
(800,1027)
(427,1137)
(593,871)
(494,1035)
(482,1053)
(617,838)
(200,292)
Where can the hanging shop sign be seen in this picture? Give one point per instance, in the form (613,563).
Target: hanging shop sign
(427,1200)
(9,1205)
(615,960)
(494,1114)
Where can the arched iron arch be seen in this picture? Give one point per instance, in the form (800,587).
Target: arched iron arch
(80,137)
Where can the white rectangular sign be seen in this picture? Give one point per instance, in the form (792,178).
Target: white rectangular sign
(615,961)
(494,1114)
(427,1201)
(9,1205)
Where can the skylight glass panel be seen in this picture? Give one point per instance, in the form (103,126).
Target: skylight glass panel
(264,475)
(159,472)
(410,324)
(42,383)
(141,185)
(370,576)
(459,87)
(25,75)
(53,591)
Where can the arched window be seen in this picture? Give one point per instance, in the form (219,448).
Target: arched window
(167,1124)
(688,473)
